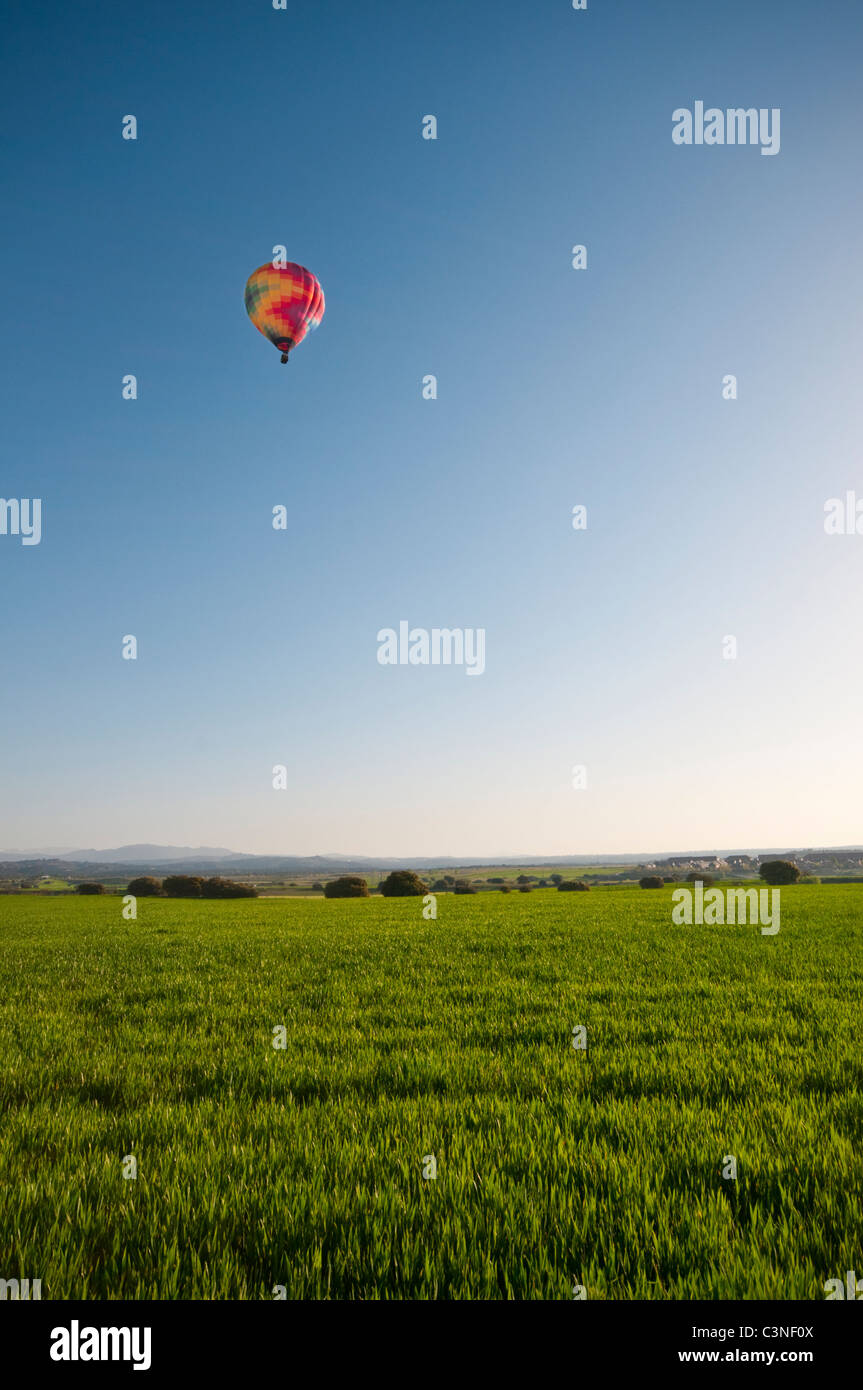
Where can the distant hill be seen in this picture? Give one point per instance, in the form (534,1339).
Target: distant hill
(125,854)
(151,854)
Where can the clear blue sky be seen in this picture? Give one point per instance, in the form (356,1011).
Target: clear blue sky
(556,387)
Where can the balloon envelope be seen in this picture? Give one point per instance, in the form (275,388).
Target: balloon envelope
(284,302)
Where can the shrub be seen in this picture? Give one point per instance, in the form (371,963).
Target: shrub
(317,888)
(525,888)
(464,888)
(497,880)
(145,887)
(348,886)
(182,886)
(779,871)
(575,885)
(90,888)
(557,878)
(402,883)
(506,889)
(651,881)
(698,877)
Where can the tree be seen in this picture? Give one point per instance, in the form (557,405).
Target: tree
(317,888)
(182,886)
(523,878)
(496,881)
(348,886)
(145,887)
(227,888)
(506,888)
(573,886)
(697,877)
(557,878)
(464,888)
(90,888)
(525,888)
(403,883)
(651,881)
(779,871)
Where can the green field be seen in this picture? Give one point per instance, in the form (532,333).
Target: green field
(303,1167)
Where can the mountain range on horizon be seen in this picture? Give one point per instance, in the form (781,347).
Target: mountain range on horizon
(154,854)
(124,854)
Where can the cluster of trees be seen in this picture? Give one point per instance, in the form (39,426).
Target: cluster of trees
(179,886)
(187,886)
(401,883)
(404,884)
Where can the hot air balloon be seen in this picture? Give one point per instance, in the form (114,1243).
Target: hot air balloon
(284,302)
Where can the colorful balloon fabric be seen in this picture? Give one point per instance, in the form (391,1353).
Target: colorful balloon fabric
(284,302)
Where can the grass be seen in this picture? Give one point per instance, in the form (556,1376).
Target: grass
(303,1167)
(48,885)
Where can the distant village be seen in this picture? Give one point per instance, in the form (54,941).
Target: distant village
(816,862)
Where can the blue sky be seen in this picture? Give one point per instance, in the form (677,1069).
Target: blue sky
(556,387)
